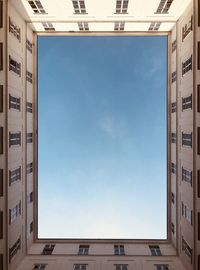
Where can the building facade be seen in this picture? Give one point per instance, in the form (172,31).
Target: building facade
(21,21)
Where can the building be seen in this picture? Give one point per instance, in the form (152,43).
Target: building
(20,23)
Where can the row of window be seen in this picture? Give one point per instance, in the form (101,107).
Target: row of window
(16,68)
(154,26)
(187,29)
(186,138)
(164,6)
(187,213)
(14,249)
(15,103)
(116,266)
(187,249)
(15,138)
(16,174)
(118,250)
(186,104)
(186,174)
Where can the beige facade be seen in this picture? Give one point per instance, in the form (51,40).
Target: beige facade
(20,24)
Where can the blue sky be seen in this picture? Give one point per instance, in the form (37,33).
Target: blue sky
(102,137)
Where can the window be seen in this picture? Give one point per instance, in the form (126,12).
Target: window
(79,6)
(30,197)
(187,139)
(14,212)
(173,228)
(119,26)
(83,250)
(29,168)
(186,29)
(119,250)
(83,26)
(39,266)
(15,30)
(1,98)
(174,45)
(186,249)
(187,103)
(121,267)
(14,103)
(173,197)
(173,137)
(121,6)
(155,250)
(37,7)
(29,138)
(173,76)
(48,26)
(154,26)
(14,175)
(29,76)
(173,107)
(198,183)
(173,168)
(29,46)
(31,227)
(187,65)
(14,249)
(164,6)
(1,224)
(198,225)
(14,66)
(29,107)
(48,249)
(1,182)
(198,140)
(1,56)
(186,213)
(187,176)
(162,266)
(1,14)
(80,266)
(14,138)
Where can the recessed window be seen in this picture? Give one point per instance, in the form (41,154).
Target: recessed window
(173,168)
(186,29)
(14,138)
(29,46)
(187,249)
(48,26)
(48,249)
(79,6)
(80,266)
(161,266)
(29,107)
(155,250)
(119,250)
(14,212)
(1,140)
(1,98)
(39,266)
(1,182)
(187,176)
(174,45)
(14,66)
(30,197)
(29,137)
(164,6)
(29,76)
(121,6)
(83,250)
(14,175)
(1,56)
(31,227)
(14,29)
(1,14)
(187,103)
(83,26)
(187,65)
(37,7)
(186,213)
(173,197)
(154,26)
(173,76)
(173,137)
(29,168)
(14,249)
(187,139)
(173,109)
(14,103)
(1,225)
(172,228)
(119,26)
(121,267)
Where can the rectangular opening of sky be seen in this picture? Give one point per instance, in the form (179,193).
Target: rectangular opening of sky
(102,137)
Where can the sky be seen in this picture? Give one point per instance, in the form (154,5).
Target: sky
(102,137)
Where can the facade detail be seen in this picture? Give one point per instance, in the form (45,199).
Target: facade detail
(21,22)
